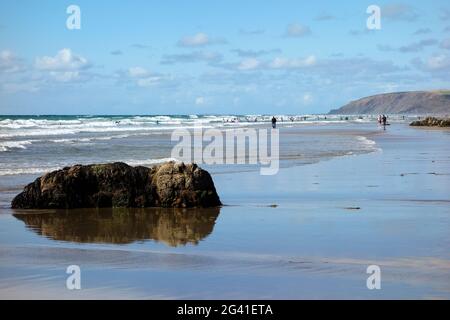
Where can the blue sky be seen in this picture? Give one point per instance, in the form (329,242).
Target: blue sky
(216,57)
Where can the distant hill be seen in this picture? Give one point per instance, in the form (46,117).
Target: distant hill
(414,102)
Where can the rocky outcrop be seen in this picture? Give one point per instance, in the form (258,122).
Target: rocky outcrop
(414,102)
(431,122)
(170,184)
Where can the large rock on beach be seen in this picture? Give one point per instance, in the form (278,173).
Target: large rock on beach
(431,122)
(171,184)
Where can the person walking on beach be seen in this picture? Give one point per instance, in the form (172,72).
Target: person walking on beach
(384,119)
(274,122)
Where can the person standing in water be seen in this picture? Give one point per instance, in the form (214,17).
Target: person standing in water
(384,119)
(274,122)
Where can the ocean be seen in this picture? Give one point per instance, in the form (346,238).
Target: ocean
(37,144)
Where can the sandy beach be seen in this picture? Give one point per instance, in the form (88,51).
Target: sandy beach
(225,155)
(308,232)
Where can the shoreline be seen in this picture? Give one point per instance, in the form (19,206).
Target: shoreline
(292,137)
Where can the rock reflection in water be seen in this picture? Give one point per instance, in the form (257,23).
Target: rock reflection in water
(121,226)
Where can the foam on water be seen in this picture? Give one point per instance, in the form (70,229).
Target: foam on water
(27,171)
(9,145)
(367,144)
(69,125)
(8,171)
(38,144)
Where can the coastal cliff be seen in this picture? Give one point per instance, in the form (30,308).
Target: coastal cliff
(414,102)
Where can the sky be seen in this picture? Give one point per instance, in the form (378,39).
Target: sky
(216,57)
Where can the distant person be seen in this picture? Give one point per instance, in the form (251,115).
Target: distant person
(274,122)
(384,119)
(380,119)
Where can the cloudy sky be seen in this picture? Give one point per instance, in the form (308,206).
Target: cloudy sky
(216,57)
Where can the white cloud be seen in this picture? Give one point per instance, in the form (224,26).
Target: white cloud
(196,56)
(445,14)
(297,30)
(66,76)
(142,77)
(325,17)
(255,53)
(422,31)
(418,46)
(200,101)
(9,63)
(412,47)
(286,63)
(64,67)
(251,31)
(445,44)
(19,87)
(438,62)
(397,12)
(307,98)
(249,64)
(138,72)
(149,81)
(438,65)
(64,61)
(199,40)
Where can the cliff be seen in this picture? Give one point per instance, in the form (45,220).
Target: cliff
(414,102)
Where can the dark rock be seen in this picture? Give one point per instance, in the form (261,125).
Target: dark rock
(431,122)
(118,185)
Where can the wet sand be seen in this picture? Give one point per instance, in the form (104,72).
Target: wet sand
(332,220)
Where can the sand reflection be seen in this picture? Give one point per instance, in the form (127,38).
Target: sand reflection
(174,227)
